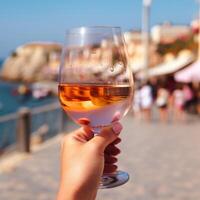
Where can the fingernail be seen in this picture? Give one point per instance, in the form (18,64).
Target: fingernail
(116,117)
(117,127)
(84,121)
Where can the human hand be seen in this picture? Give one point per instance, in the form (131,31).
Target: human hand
(84,158)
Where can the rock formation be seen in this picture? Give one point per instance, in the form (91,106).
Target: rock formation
(31,62)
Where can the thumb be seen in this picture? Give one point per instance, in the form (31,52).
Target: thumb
(107,136)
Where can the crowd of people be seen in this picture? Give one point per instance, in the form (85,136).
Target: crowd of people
(172,100)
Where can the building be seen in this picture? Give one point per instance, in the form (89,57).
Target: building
(136,50)
(168,33)
(195,25)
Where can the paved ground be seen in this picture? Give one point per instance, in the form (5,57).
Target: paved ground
(163,161)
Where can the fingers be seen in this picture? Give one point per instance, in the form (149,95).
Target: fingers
(88,133)
(85,133)
(109,165)
(109,168)
(112,150)
(81,135)
(107,136)
(110,159)
(117,141)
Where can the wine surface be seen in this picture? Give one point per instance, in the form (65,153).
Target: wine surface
(99,104)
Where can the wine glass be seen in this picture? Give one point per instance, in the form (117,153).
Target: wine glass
(95,82)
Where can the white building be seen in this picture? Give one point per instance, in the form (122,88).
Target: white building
(167,33)
(135,50)
(195,24)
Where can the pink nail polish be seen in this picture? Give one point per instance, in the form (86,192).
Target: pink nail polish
(117,127)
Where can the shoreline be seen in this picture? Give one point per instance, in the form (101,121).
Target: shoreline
(11,101)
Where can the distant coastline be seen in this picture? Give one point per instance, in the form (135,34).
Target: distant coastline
(11,103)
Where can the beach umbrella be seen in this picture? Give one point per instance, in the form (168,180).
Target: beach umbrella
(189,74)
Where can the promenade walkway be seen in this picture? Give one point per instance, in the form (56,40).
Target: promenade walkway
(163,161)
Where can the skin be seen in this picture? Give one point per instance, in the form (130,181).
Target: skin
(84,158)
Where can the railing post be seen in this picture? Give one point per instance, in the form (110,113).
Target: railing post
(24,130)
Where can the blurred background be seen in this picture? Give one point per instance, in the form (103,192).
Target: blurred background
(160,141)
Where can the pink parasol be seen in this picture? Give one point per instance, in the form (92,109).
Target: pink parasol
(189,74)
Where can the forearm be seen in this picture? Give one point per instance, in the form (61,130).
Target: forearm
(71,194)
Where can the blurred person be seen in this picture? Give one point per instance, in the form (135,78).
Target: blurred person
(170,84)
(162,103)
(154,87)
(84,158)
(198,103)
(146,100)
(188,96)
(178,103)
(137,102)
(198,99)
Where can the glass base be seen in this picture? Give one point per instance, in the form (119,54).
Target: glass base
(113,180)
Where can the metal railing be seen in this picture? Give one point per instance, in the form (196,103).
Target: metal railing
(22,128)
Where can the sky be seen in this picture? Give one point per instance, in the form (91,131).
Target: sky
(23,21)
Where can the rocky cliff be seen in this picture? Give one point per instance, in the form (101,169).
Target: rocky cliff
(31,62)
